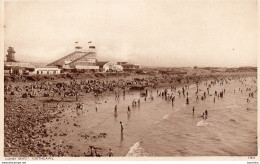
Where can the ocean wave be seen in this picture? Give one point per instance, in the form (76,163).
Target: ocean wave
(164,117)
(157,122)
(232,106)
(204,123)
(137,151)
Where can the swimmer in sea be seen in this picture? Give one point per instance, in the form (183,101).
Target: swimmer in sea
(206,114)
(115,110)
(122,128)
(187,101)
(128,110)
(110,153)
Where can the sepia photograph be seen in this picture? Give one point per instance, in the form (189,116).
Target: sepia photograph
(130,78)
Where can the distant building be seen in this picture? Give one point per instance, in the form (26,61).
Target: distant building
(100,65)
(19,64)
(10,56)
(77,60)
(109,67)
(46,70)
(129,67)
(14,67)
(11,70)
(121,63)
(112,67)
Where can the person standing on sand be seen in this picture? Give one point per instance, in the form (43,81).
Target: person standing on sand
(122,128)
(77,106)
(193,110)
(82,107)
(76,93)
(58,106)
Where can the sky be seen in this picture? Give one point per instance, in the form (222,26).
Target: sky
(172,33)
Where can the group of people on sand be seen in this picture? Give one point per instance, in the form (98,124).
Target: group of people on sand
(74,88)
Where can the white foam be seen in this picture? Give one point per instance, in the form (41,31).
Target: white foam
(204,123)
(136,151)
(166,116)
(232,106)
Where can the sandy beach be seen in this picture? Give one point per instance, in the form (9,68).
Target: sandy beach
(40,125)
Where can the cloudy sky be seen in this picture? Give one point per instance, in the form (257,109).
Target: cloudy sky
(147,32)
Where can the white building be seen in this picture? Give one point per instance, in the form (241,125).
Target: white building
(111,66)
(46,70)
(105,66)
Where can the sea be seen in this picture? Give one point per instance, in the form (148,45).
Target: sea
(158,128)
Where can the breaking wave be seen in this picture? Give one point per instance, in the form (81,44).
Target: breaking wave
(164,117)
(137,151)
(204,123)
